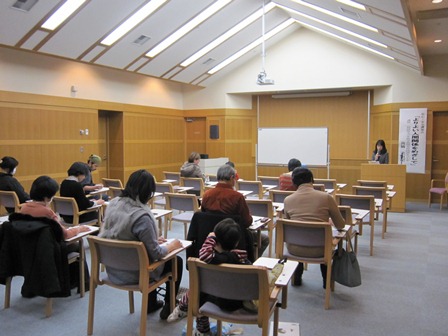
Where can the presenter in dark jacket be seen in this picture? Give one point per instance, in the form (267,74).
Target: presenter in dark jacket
(380,153)
(71,187)
(8,167)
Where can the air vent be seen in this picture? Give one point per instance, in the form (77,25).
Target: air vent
(142,39)
(432,14)
(24,5)
(209,61)
(349,12)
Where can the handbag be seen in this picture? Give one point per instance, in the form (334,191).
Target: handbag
(345,270)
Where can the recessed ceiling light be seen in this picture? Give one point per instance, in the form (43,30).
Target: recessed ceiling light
(437,1)
(437,41)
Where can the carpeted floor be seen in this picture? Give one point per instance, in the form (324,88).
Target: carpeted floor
(404,292)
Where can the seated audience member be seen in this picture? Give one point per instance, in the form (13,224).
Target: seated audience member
(231,164)
(308,204)
(285,180)
(191,167)
(71,187)
(129,217)
(42,191)
(87,184)
(218,248)
(224,199)
(8,167)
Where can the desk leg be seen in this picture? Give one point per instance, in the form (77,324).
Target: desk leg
(82,277)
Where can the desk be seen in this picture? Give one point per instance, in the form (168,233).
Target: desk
(160,214)
(179,189)
(3,219)
(281,284)
(341,185)
(101,191)
(170,181)
(245,192)
(79,238)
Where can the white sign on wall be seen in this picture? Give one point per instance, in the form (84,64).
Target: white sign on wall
(412,140)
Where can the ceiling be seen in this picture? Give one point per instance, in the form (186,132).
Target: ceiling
(79,37)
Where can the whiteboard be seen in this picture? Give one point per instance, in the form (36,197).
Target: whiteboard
(276,146)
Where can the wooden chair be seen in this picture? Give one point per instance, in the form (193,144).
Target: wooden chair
(380,195)
(212,178)
(278,196)
(9,199)
(328,183)
(372,183)
(115,192)
(269,180)
(255,186)
(162,187)
(235,282)
(437,188)
(363,202)
(264,208)
(107,182)
(186,204)
(318,186)
(196,183)
(307,234)
(175,176)
(346,212)
(24,267)
(67,206)
(126,256)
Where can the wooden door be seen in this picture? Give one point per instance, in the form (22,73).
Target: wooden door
(439,166)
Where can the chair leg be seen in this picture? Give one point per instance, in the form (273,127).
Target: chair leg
(143,312)
(328,286)
(131,302)
(190,322)
(384,224)
(90,314)
(372,234)
(275,324)
(49,307)
(429,200)
(219,327)
(270,242)
(8,292)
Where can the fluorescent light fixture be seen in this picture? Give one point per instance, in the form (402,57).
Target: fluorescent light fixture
(312,94)
(235,29)
(251,46)
(344,39)
(334,26)
(204,15)
(133,21)
(67,9)
(338,16)
(352,4)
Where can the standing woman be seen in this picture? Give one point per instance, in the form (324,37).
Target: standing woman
(128,217)
(8,167)
(380,153)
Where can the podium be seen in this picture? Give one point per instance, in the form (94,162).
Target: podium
(393,174)
(210,166)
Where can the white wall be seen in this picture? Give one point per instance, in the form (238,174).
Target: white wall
(32,73)
(305,60)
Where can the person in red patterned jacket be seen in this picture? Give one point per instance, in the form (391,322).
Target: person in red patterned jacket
(218,248)
(285,180)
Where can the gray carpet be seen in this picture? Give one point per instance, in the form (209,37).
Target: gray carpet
(404,292)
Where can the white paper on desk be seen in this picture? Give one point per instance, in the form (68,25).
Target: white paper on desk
(185,243)
(266,262)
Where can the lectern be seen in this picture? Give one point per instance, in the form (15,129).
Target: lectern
(392,173)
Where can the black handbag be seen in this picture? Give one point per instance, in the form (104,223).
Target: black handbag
(345,270)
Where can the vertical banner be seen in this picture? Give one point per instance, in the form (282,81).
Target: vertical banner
(412,140)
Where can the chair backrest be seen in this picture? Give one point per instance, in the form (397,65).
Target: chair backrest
(279,196)
(346,212)
(172,176)
(304,234)
(65,206)
(120,255)
(255,186)
(377,192)
(372,183)
(363,202)
(164,187)
(269,180)
(196,182)
(115,192)
(232,282)
(318,186)
(202,223)
(181,202)
(107,182)
(328,183)
(261,207)
(212,178)
(9,199)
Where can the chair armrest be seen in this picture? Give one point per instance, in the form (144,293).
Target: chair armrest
(94,208)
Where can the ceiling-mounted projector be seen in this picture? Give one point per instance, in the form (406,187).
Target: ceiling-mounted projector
(263,80)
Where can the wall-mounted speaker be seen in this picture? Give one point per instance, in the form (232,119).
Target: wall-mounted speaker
(214,131)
